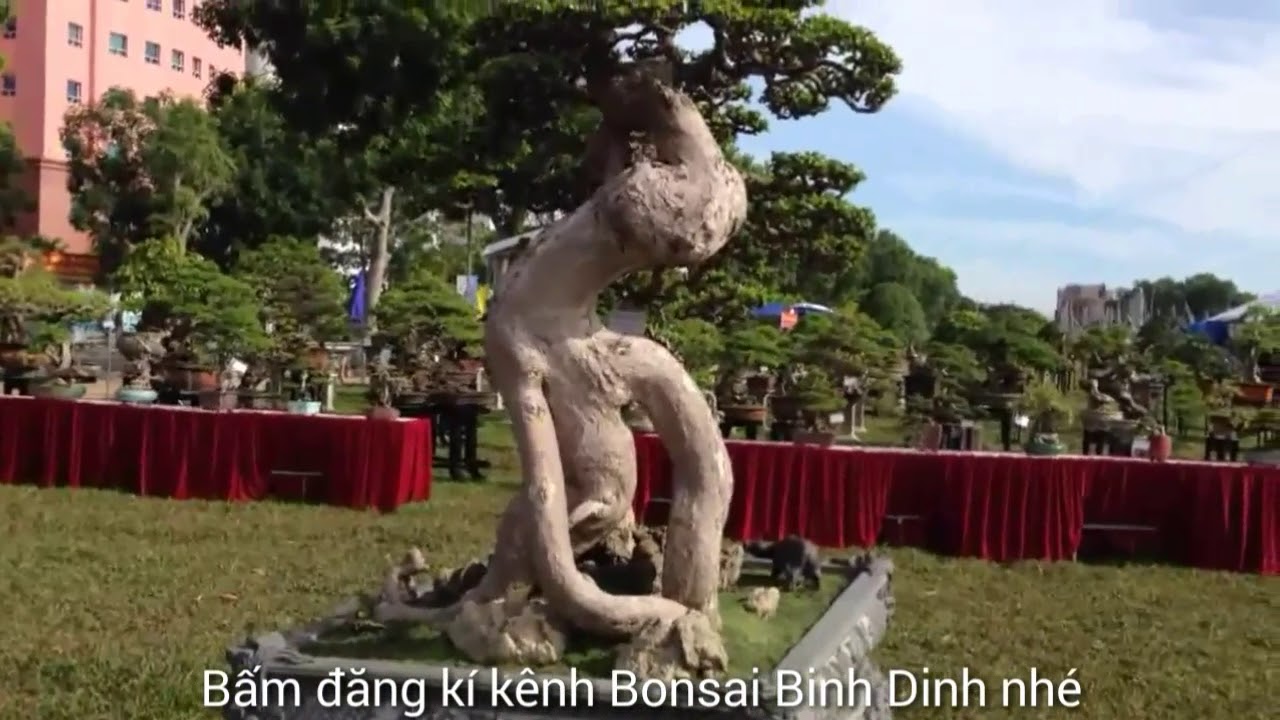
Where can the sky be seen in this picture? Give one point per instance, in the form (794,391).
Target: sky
(1036,144)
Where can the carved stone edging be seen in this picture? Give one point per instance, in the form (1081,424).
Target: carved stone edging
(836,648)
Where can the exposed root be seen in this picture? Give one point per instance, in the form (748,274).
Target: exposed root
(516,630)
(688,647)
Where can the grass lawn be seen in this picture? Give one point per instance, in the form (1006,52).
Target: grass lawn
(115,605)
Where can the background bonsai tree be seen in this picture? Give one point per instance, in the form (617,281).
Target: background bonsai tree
(1255,336)
(960,374)
(752,350)
(301,301)
(697,343)
(1050,412)
(37,311)
(424,320)
(208,317)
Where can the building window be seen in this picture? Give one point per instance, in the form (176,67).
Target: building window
(177,60)
(11,28)
(118,44)
(75,35)
(8,85)
(153,5)
(197,66)
(74,91)
(180,9)
(151,53)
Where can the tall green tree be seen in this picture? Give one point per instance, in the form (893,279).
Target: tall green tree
(285,184)
(142,168)
(14,200)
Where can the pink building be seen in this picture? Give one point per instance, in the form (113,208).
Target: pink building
(59,52)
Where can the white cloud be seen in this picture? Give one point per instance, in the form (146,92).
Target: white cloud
(1179,126)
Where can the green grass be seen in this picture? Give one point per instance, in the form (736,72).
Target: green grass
(114,605)
(750,641)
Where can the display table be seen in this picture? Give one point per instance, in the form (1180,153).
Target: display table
(997,506)
(236,455)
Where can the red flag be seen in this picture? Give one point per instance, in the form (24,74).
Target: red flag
(788,319)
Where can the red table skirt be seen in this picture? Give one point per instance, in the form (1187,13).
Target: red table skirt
(183,453)
(1001,507)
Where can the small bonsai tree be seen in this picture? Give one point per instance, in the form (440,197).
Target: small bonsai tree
(959,374)
(753,350)
(846,345)
(1049,411)
(209,317)
(36,310)
(301,303)
(423,319)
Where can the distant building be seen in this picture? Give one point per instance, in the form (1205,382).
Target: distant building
(61,53)
(1084,306)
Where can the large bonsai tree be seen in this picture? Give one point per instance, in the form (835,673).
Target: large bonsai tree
(36,309)
(653,190)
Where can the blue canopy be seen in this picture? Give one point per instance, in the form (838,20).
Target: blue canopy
(1218,327)
(775,309)
(355,305)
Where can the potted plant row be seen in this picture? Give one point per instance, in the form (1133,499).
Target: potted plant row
(37,312)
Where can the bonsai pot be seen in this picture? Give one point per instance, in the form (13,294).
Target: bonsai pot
(743,413)
(1161,447)
(136,396)
(303,407)
(190,377)
(1044,445)
(1268,457)
(1255,393)
(57,390)
(257,400)
(814,437)
(218,400)
(382,412)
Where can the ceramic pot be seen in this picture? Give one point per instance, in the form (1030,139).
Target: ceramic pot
(1044,446)
(743,413)
(1161,447)
(56,390)
(136,396)
(821,439)
(381,412)
(303,407)
(218,400)
(1255,393)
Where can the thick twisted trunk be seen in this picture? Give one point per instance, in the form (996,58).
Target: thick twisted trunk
(565,378)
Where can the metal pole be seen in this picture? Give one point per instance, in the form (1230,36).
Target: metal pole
(470,247)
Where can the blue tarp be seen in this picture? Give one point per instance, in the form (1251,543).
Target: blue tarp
(355,305)
(1218,327)
(775,309)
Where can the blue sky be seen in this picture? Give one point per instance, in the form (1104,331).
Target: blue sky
(1036,144)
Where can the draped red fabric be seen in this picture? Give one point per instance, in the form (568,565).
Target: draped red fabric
(1001,507)
(182,453)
